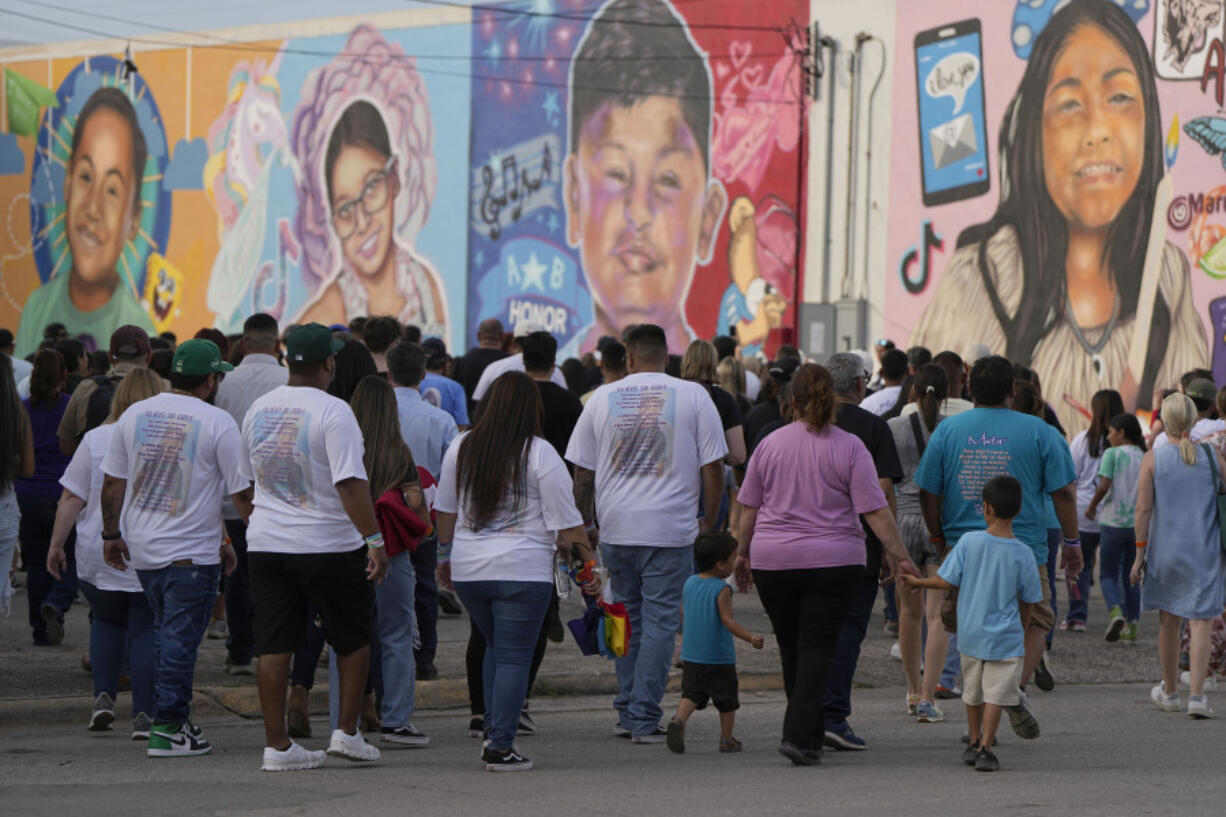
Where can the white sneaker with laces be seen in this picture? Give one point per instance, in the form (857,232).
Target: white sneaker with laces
(1167,703)
(1185,679)
(896,651)
(1198,707)
(293,759)
(352,747)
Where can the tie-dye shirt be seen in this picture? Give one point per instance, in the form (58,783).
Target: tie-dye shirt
(1122,465)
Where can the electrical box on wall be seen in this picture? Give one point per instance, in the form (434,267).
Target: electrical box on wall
(851,325)
(817,331)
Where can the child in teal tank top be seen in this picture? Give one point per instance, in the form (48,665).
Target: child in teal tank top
(707,652)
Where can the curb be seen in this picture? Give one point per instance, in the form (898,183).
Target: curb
(214,703)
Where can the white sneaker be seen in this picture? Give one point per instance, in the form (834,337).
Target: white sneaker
(1185,679)
(1167,703)
(293,759)
(217,629)
(896,652)
(352,747)
(1198,707)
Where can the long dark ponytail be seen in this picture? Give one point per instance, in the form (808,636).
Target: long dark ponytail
(1104,405)
(493,457)
(930,387)
(1027,207)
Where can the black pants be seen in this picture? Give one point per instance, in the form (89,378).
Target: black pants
(425,600)
(37,522)
(474,658)
(240,643)
(807,609)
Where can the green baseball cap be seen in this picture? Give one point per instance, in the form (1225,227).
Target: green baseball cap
(311,343)
(1202,391)
(198,356)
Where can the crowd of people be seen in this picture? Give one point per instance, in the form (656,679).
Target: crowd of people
(344,484)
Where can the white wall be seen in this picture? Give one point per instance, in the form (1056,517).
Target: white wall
(843,20)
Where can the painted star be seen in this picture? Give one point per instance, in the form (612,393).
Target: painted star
(552,106)
(534,273)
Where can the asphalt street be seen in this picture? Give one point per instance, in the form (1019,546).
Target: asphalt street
(1105,750)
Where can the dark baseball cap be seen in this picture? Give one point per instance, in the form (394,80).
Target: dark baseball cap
(130,342)
(311,343)
(784,367)
(1203,393)
(198,356)
(436,351)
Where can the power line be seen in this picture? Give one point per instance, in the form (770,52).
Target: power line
(428,71)
(247,46)
(581,19)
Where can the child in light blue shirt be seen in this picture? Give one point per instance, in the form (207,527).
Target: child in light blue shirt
(992,571)
(707,653)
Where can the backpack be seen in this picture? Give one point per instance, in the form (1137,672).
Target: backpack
(100,398)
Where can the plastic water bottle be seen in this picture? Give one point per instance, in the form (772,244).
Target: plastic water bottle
(561,579)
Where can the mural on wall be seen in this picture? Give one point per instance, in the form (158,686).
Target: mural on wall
(642,169)
(611,163)
(1100,129)
(304,184)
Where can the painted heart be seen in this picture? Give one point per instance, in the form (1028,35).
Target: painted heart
(740,51)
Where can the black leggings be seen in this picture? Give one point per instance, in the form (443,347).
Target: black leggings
(474,659)
(807,609)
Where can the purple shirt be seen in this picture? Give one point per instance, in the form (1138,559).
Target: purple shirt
(49,461)
(810,489)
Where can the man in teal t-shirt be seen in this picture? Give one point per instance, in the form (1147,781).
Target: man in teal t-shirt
(966,451)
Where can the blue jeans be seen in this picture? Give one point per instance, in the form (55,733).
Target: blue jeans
(1055,538)
(182,598)
(121,625)
(509,615)
(1079,608)
(1117,551)
(649,581)
(396,623)
(837,704)
(240,643)
(425,601)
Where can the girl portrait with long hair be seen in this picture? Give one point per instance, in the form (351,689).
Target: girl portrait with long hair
(1053,278)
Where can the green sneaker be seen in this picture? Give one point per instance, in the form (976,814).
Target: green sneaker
(1129,636)
(1116,615)
(177,740)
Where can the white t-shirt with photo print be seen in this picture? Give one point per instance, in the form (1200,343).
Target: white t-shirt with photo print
(518,544)
(299,442)
(179,455)
(646,437)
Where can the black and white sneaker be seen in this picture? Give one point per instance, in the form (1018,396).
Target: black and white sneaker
(657,735)
(1043,678)
(104,713)
(1025,724)
(141,725)
(505,760)
(408,735)
(527,726)
(476,727)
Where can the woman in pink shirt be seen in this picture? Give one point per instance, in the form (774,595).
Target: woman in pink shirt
(805,490)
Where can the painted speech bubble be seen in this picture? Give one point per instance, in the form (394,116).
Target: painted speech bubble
(952,76)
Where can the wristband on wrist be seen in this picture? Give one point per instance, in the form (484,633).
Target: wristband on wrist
(444,551)
(588,527)
(1072,543)
(1142,545)
(111,537)
(374,541)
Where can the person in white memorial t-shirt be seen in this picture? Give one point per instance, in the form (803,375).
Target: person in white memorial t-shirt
(170,460)
(514,363)
(312,542)
(644,450)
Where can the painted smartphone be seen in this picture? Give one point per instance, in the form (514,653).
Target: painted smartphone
(953,134)
(1217,320)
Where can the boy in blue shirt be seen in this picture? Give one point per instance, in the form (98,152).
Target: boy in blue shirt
(707,653)
(992,571)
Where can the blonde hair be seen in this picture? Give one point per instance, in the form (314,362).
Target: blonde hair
(138,384)
(1178,417)
(699,362)
(731,376)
